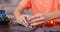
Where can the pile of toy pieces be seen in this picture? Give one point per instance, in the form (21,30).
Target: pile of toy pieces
(51,23)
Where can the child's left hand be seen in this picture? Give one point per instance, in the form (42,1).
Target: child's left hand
(38,18)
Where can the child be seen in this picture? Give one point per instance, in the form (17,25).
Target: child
(49,9)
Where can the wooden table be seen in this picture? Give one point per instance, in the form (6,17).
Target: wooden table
(16,28)
(11,28)
(5,28)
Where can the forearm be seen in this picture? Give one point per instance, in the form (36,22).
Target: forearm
(53,15)
(17,12)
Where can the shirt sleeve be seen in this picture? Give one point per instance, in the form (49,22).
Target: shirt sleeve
(28,5)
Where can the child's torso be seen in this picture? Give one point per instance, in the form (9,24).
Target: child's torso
(44,6)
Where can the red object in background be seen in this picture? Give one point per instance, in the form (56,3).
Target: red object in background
(51,24)
(56,22)
(48,25)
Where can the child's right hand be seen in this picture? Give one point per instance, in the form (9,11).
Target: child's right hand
(23,20)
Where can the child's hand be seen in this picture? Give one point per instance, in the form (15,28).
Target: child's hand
(23,20)
(37,19)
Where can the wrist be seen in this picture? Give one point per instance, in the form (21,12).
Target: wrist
(46,17)
(17,17)
(49,16)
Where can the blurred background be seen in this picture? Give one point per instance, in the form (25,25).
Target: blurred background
(9,6)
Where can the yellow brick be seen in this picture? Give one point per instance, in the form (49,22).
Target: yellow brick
(51,21)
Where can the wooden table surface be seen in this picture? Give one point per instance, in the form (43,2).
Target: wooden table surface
(5,28)
(10,28)
(17,28)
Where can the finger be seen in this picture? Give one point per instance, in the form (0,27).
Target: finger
(26,23)
(37,19)
(35,16)
(37,23)
(20,21)
(26,17)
